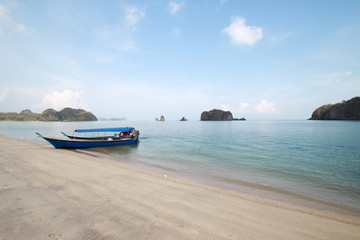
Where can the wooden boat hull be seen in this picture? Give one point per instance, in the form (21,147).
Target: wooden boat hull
(59,143)
(98,138)
(129,135)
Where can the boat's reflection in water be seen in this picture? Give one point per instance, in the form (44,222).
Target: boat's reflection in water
(112,151)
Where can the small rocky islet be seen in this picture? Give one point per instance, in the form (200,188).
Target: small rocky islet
(346,110)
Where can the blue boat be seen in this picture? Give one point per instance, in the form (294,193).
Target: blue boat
(120,136)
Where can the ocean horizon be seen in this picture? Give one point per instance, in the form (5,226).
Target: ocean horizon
(297,161)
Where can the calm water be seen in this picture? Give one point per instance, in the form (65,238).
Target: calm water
(315,159)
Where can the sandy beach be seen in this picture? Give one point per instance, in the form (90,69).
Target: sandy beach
(48,193)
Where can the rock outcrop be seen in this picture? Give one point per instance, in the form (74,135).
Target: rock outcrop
(183,119)
(162,119)
(218,115)
(346,110)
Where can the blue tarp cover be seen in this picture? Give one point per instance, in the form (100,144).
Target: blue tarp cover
(124,129)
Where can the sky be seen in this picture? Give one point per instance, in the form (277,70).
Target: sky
(266,59)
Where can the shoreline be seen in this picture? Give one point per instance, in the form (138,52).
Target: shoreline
(48,193)
(294,198)
(259,190)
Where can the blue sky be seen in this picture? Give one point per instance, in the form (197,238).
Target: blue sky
(142,59)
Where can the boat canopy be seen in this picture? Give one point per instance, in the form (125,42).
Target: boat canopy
(124,129)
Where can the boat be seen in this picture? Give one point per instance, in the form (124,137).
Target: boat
(101,137)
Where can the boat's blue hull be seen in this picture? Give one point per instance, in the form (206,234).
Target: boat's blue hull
(59,143)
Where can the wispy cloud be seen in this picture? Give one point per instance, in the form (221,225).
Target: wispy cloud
(244,107)
(73,82)
(9,26)
(322,80)
(4,12)
(175,7)
(265,107)
(115,38)
(133,15)
(223,2)
(281,37)
(240,33)
(175,32)
(5,94)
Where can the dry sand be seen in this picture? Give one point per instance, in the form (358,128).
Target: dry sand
(47,193)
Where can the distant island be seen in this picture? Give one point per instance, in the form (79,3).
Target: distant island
(162,119)
(346,110)
(183,119)
(218,115)
(65,115)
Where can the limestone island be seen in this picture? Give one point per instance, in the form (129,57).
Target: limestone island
(162,119)
(65,115)
(218,115)
(346,110)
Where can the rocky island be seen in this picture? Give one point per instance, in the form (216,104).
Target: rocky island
(218,115)
(346,110)
(162,119)
(65,115)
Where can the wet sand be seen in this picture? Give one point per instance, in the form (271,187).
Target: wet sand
(48,193)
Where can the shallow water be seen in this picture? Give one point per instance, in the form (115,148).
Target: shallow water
(315,159)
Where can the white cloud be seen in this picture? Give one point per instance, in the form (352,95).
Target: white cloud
(239,33)
(59,100)
(243,107)
(133,15)
(265,107)
(225,108)
(5,94)
(175,7)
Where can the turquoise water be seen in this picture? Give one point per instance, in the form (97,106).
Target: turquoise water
(315,159)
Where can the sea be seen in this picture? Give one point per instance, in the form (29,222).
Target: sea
(308,163)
